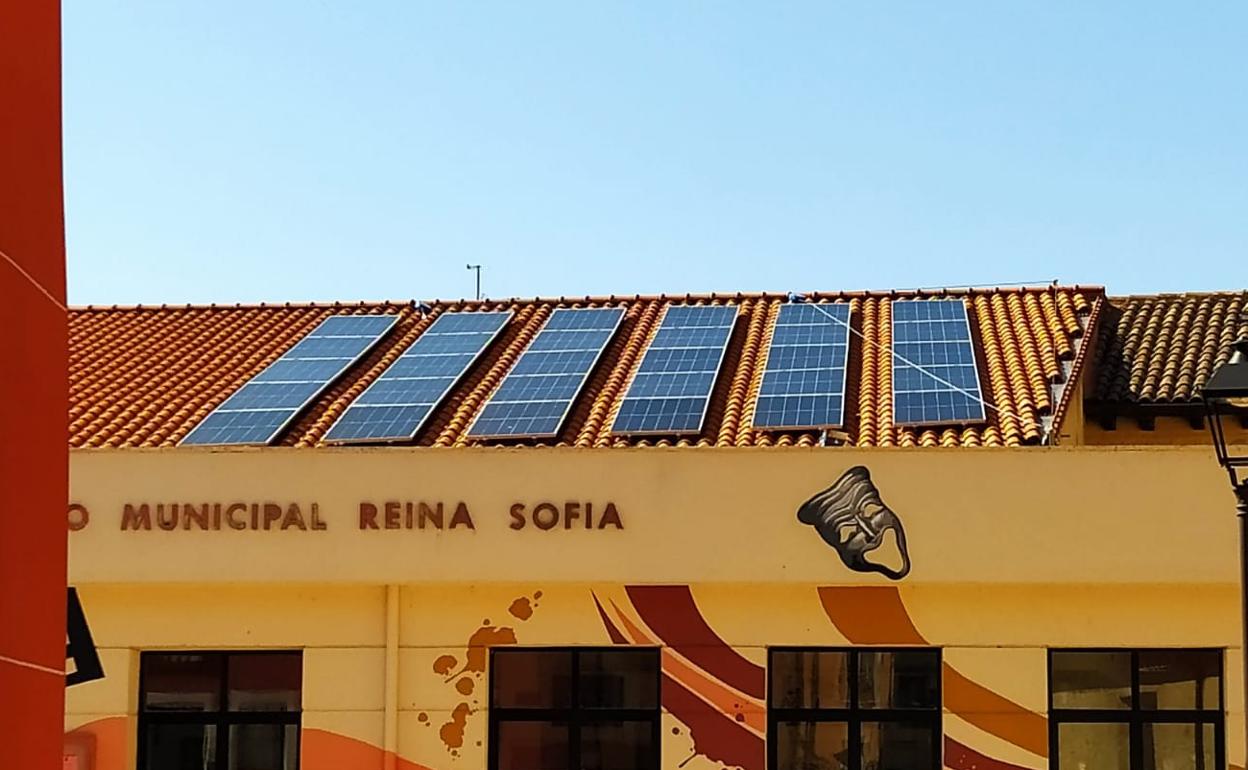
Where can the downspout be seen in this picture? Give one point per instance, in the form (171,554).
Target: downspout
(390,727)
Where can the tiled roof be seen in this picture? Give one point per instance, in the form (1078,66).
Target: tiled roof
(145,376)
(1159,350)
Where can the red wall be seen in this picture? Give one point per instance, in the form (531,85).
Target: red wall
(33,388)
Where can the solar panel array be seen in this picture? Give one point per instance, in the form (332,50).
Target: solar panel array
(935,380)
(804,381)
(672,388)
(535,397)
(398,402)
(268,402)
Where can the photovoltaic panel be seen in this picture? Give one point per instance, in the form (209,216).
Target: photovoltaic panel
(672,388)
(535,397)
(935,380)
(398,402)
(804,380)
(268,402)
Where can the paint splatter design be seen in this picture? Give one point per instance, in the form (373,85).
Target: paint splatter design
(521,608)
(476,660)
(444,664)
(452,733)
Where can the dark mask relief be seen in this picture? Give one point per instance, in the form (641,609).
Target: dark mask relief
(851,517)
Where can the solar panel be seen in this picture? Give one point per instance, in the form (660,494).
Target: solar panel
(268,402)
(396,405)
(535,397)
(935,380)
(804,380)
(672,388)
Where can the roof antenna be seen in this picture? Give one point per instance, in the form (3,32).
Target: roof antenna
(478,269)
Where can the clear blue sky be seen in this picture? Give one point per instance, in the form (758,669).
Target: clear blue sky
(245,151)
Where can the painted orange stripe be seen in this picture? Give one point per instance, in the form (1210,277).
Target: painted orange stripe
(719,696)
(995,714)
(869,614)
(98,745)
(323,750)
(877,615)
(749,710)
(671,612)
(961,757)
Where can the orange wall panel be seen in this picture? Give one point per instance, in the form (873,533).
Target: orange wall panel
(33,386)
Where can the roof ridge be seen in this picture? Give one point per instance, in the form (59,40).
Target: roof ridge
(663,297)
(1177,295)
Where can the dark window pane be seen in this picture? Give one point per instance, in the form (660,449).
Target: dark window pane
(620,679)
(812,746)
(265,682)
(532,679)
(899,680)
(532,745)
(1180,679)
(1092,746)
(809,679)
(1178,747)
(898,746)
(618,746)
(1091,680)
(181,747)
(181,682)
(264,747)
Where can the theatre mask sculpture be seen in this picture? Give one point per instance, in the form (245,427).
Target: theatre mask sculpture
(851,517)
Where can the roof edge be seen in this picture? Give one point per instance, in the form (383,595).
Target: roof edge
(1079,366)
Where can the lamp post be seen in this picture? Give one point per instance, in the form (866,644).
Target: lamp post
(1226,400)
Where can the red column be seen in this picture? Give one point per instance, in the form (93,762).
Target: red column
(34,472)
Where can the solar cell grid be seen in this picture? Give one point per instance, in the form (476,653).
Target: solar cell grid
(804,380)
(535,397)
(935,377)
(672,388)
(396,405)
(258,411)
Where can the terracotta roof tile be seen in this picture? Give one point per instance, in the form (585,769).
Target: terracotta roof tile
(145,376)
(1161,349)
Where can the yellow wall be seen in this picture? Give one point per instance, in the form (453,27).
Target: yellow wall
(1167,431)
(993,639)
(1013,552)
(1027,515)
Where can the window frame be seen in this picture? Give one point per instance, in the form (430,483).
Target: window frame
(573,715)
(222,718)
(1135,717)
(854,716)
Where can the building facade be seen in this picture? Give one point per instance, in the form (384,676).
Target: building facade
(1049,583)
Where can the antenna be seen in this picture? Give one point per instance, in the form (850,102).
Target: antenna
(478,269)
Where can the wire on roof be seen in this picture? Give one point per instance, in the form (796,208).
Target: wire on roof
(794,297)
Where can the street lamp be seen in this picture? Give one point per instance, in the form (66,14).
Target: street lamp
(1226,399)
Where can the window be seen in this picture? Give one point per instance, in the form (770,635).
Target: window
(857,709)
(1135,710)
(220,711)
(574,709)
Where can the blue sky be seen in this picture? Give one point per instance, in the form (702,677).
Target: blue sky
(285,151)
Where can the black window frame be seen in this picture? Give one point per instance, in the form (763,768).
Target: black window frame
(573,715)
(854,716)
(222,718)
(1136,717)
